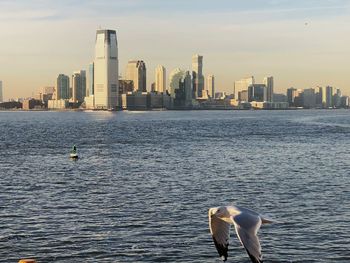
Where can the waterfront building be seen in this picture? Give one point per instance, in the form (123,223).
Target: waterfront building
(268,81)
(125,86)
(243,96)
(78,86)
(291,94)
(62,87)
(136,71)
(279,97)
(106,70)
(90,80)
(309,98)
(257,92)
(322,97)
(337,98)
(211,85)
(160,79)
(344,101)
(329,97)
(1,95)
(174,81)
(242,84)
(197,74)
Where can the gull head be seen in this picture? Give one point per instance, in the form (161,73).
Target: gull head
(222,212)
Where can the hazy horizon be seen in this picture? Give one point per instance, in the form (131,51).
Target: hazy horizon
(302,44)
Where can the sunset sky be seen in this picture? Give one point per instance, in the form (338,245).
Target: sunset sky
(301,43)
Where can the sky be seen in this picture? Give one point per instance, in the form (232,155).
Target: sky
(302,43)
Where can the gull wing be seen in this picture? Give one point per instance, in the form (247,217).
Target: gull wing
(220,231)
(247,226)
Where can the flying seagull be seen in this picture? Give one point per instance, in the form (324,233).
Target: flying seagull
(247,224)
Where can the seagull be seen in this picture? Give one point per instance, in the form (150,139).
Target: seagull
(247,224)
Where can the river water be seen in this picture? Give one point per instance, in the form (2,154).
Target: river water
(142,188)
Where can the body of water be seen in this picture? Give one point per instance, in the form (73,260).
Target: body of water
(144,183)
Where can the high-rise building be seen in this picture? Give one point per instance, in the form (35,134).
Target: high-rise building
(257,92)
(309,98)
(136,71)
(268,81)
(62,88)
(90,80)
(291,94)
(198,78)
(243,84)
(174,81)
(106,70)
(79,86)
(211,85)
(329,97)
(1,96)
(160,79)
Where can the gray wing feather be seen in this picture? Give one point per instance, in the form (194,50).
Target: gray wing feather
(247,226)
(220,231)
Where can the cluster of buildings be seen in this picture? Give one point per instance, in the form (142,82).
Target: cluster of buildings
(322,97)
(100,87)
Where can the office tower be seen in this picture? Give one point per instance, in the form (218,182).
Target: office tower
(243,84)
(329,97)
(268,81)
(62,88)
(309,98)
(90,80)
(136,71)
(79,86)
(160,79)
(211,85)
(291,94)
(337,98)
(187,84)
(198,78)
(106,70)
(257,92)
(1,96)
(174,81)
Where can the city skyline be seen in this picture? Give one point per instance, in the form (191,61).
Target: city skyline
(303,45)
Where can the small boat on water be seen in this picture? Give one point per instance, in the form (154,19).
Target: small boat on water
(73,153)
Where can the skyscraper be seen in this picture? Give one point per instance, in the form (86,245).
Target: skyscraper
(160,79)
(106,70)
(242,85)
(211,85)
(198,78)
(1,96)
(174,81)
(291,94)
(136,71)
(62,87)
(268,81)
(329,97)
(79,86)
(90,80)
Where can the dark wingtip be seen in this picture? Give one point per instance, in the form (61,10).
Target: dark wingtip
(254,259)
(222,250)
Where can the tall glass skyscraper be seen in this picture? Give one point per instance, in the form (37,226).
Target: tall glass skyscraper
(160,79)
(106,70)
(90,80)
(79,86)
(62,87)
(136,71)
(198,78)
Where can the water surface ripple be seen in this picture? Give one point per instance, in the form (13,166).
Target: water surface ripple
(141,190)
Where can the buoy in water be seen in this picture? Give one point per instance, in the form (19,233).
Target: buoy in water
(73,153)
